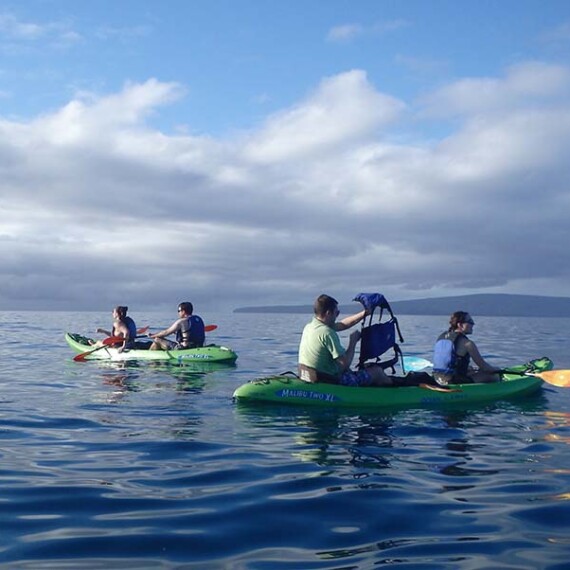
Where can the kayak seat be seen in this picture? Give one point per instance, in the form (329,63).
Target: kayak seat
(312,375)
(377,339)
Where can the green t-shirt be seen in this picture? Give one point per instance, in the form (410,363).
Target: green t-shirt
(320,347)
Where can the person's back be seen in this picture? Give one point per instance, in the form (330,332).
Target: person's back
(131,327)
(322,358)
(191,333)
(318,350)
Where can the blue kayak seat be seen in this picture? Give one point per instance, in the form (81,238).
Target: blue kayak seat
(379,338)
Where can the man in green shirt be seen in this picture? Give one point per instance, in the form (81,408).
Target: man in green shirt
(322,358)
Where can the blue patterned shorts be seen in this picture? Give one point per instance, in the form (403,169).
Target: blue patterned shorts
(358,378)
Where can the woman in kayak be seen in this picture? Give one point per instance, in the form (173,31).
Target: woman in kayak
(453,352)
(122,326)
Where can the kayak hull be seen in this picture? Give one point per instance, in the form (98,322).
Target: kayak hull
(205,354)
(289,389)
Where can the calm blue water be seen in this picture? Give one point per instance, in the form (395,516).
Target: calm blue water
(156,467)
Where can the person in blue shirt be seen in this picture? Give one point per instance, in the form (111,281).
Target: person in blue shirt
(189,330)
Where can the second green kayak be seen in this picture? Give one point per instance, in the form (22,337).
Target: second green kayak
(289,389)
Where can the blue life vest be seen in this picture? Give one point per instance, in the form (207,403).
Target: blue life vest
(132,327)
(192,333)
(445,358)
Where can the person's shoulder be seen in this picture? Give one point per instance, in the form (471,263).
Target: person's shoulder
(317,324)
(465,341)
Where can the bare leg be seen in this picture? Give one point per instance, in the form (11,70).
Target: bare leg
(379,377)
(159,344)
(484,377)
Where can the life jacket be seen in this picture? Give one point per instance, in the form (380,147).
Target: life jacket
(192,333)
(132,328)
(445,357)
(378,338)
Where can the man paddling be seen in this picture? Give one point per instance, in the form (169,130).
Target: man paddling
(322,358)
(189,329)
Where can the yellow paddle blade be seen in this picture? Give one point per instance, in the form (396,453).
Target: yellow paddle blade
(559,378)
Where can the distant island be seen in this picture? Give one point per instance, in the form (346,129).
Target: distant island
(485,304)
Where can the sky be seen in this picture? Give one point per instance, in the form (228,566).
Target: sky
(239,152)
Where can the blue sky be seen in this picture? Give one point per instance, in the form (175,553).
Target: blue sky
(247,152)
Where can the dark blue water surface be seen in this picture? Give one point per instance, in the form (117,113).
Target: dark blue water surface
(152,466)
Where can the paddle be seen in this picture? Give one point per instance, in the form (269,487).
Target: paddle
(105,342)
(560,378)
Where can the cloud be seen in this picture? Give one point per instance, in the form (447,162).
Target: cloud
(345,33)
(123,34)
(524,84)
(14,30)
(336,193)
(422,65)
(559,34)
(343,108)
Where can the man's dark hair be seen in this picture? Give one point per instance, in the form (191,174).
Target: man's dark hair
(323,304)
(187,307)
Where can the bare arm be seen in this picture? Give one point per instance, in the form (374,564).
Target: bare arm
(345,360)
(170,330)
(474,353)
(105,332)
(349,321)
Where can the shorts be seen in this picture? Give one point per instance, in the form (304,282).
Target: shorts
(358,378)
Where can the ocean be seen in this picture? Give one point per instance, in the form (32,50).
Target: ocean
(151,466)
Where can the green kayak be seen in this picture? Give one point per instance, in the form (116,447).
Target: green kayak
(289,389)
(205,354)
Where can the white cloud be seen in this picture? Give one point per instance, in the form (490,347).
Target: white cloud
(16,30)
(319,197)
(523,84)
(557,34)
(342,109)
(344,32)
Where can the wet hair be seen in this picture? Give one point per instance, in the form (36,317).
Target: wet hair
(457,318)
(323,304)
(121,311)
(187,307)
